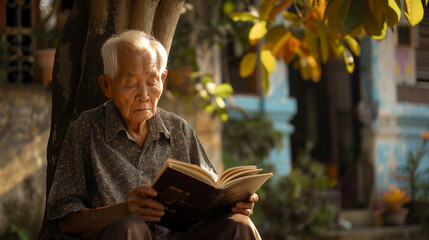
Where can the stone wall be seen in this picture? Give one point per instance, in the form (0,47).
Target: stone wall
(25,112)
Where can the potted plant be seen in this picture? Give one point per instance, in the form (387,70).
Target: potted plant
(416,179)
(393,213)
(47,34)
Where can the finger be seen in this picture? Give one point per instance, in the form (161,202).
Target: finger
(146,190)
(150,218)
(244,211)
(148,212)
(147,203)
(247,205)
(254,197)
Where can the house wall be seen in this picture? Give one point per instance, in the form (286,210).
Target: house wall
(25,113)
(397,126)
(280,108)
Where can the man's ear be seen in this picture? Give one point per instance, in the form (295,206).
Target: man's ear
(164,76)
(104,82)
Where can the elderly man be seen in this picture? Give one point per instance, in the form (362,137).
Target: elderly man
(112,153)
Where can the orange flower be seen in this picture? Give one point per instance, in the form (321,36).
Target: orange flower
(424,135)
(394,198)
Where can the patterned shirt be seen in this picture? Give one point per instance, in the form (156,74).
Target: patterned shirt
(100,162)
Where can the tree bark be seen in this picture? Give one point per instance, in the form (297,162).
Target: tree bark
(78,63)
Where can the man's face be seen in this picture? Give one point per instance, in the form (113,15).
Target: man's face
(136,92)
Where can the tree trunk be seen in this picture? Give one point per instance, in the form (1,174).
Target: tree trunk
(78,63)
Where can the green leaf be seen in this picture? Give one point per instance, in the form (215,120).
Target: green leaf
(223,90)
(268,61)
(353,15)
(243,16)
(223,116)
(22,233)
(206,79)
(209,107)
(373,23)
(333,15)
(413,10)
(298,32)
(228,7)
(353,45)
(258,31)
(248,64)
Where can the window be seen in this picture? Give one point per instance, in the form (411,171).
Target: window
(18,36)
(412,61)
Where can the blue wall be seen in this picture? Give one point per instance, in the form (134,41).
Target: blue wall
(396,130)
(280,108)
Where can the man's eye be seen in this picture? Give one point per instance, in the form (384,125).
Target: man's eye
(152,81)
(130,82)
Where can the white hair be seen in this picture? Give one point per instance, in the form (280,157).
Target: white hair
(138,41)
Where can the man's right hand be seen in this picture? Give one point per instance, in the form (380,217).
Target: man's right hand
(139,203)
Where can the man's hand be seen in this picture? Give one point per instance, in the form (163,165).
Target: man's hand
(246,208)
(139,203)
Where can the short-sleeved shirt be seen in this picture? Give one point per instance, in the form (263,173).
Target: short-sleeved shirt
(100,162)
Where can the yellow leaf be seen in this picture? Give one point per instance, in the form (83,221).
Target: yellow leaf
(392,12)
(320,7)
(242,16)
(265,82)
(257,32)
(304,68)
(311,41)
(265,10)
(289,51)
(353,45)
(268,61)
(293,17)
(350,64)
(248,64)
(315,69)
(279,8)
(336,47)
(324,45)
(413,11)
(220,102)
(276,38)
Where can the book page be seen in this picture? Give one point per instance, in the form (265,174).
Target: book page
(239,174)
(234,170)
(192,170)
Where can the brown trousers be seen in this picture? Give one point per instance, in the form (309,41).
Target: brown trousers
(232,226)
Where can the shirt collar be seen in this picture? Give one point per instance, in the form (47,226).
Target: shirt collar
(115,123)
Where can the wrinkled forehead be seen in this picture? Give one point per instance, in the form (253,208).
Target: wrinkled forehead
(143,60)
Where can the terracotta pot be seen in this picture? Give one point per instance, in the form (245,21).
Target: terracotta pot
(45,61)
(396,218)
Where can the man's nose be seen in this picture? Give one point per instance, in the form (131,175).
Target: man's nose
(142,93)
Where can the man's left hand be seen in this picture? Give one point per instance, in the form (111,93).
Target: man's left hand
(246,208)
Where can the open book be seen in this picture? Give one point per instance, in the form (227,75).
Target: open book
(190,193)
